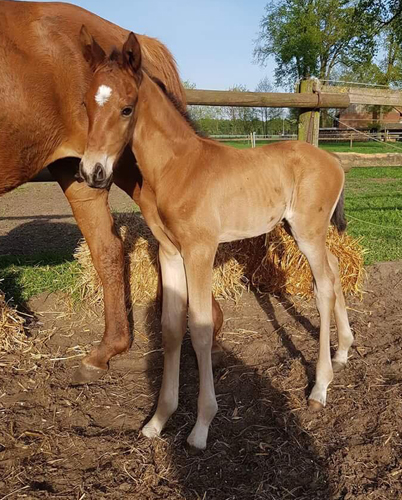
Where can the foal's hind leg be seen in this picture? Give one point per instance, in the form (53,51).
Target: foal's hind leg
(324,280)
(345,336)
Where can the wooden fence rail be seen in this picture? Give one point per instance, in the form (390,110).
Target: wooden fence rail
(265,99)
(307,99)
(331,97)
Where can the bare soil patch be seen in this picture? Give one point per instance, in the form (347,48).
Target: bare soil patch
(58,441)
(36,218)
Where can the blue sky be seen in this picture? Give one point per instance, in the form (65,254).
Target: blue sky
(212,40)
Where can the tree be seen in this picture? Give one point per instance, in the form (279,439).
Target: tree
(383,13)
(267,114)
(386,71)
(206,113)
(241,117)
(310,38)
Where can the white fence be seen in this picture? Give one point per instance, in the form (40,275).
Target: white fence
(332,136)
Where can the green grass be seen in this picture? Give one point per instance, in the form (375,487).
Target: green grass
(338,147)
(24,277)
(373,205)
(362,147)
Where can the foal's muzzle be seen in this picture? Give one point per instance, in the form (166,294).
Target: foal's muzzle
(97,178)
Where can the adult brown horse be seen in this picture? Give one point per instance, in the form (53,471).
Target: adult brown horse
(198,193)
(43,80)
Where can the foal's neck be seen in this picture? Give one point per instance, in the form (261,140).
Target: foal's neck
(162,135)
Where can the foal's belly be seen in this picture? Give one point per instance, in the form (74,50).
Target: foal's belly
(248,228)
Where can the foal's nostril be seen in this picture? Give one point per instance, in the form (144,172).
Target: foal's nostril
(79,176)
(99,173)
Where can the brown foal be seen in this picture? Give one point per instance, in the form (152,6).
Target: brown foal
(43,80)
(198,193)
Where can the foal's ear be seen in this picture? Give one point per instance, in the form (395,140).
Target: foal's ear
(132,53)
(92,51)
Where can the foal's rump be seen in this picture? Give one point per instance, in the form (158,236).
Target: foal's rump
(317,181)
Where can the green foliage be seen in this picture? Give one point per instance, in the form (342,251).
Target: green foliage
(386,71)
(268,116)
(225,120)
(310,38)
(274,126)
(242,115)
(383,13)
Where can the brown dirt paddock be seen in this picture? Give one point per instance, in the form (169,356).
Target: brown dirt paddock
(58,441)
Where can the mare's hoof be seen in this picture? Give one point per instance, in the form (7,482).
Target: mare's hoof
(315,406)
(337,366)
(85,374)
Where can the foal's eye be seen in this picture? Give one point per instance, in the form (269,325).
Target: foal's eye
(127,111)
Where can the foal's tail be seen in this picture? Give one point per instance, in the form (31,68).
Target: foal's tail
(338,217)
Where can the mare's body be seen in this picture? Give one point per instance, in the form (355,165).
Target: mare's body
(198,193)
(43,81)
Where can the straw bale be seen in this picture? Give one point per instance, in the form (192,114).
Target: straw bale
(270,263)
(12,334)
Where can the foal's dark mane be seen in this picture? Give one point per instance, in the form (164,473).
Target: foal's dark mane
(117,56)
(178,105)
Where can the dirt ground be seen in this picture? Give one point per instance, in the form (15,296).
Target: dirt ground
(59,441)
(36,218)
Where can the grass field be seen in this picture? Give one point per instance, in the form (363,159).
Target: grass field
(373,208)
(374,211)
(340,147)
(24,277)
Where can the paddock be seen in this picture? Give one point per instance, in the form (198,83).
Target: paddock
(58,441)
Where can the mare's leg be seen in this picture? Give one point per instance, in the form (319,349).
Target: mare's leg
(312,244)
(91,211)
(174,319)
(198,262)
(345,336)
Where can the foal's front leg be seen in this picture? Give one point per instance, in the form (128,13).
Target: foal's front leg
(174,308)
(198,263)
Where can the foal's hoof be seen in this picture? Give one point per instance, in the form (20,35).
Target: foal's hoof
(192,450)
(337,366)
(85,374)
(315,406)
(150,431)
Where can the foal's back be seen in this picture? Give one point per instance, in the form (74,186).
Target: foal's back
(268,171)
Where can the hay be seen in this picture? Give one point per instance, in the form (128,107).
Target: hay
(12,334)
(284,269)
(270,263)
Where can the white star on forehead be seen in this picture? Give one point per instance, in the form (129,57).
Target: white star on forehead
(103,95)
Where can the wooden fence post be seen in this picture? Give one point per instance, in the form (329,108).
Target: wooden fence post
(309,119)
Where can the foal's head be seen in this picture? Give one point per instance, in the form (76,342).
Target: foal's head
(110,104)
